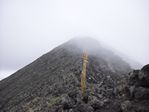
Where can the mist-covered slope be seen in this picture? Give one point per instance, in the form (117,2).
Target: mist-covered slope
(52,82)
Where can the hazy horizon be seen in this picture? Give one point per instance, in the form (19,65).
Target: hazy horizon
(29,29)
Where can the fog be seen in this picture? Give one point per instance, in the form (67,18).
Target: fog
(30,28)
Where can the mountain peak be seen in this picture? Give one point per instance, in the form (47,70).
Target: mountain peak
(84,44)
(54,78)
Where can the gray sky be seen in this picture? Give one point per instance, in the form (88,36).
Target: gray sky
(30,28)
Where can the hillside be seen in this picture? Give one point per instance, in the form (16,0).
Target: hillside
(52,82)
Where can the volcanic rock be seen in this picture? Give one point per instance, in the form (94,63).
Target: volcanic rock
(52,82)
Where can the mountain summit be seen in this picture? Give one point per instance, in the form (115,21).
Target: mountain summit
(52,82)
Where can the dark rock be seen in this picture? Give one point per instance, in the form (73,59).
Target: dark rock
(134,78)
(144,76)
(83,108)
(138,91)
(141,93)
(145,69)
(126,106)
(96,103)
(67,102)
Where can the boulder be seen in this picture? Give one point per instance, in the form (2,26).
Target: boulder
(144,76)
(126,106)
(133,78)
(141,93)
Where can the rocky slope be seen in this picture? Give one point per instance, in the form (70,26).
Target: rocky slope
(52,83)
(137,91)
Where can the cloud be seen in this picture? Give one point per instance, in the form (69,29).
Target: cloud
(31,28)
